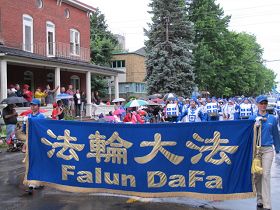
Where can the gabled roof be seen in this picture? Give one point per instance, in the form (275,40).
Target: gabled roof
(141,51)
(7,51)
(80,5)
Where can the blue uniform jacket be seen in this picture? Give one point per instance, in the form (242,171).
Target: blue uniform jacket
(270,133)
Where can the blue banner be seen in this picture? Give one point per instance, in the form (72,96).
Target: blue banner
(207,160)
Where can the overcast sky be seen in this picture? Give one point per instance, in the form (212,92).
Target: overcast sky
(258,17)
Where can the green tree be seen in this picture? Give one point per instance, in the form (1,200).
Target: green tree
(252,77)
(169,49)
(211,46)
(226,63)
(102,44)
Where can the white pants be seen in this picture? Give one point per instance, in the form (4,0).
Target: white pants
(94,108)
(262,182)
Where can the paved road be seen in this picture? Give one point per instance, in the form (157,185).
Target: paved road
(13,196)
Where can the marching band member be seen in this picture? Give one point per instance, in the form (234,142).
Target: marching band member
(172,111)
(212,110)
(193,113)
(245,109)
(269,137)
(221,107)
(203,109)
(229,110)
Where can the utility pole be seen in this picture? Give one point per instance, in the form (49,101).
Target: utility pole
(166,28)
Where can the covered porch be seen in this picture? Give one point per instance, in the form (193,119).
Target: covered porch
(17,66)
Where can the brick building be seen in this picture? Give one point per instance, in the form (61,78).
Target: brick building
(133,64)
(47,42)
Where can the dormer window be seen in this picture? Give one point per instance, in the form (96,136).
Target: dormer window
(67,13)
(39,4)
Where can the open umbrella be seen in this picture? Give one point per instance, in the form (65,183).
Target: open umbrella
(63,96)
(156,95)
(151,103)
(118,100)
(158,100)
(136,103)
(13,100)
(170,96)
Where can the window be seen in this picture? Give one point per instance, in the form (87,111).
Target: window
(118,64)
(50,39)
(28,78)
(50,78)
(27,33)
(39,4)
(75,82)
(74,42)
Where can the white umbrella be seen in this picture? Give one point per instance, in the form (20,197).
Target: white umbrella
(118,100)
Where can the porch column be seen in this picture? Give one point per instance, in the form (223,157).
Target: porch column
(57,79)
(116,81)
(88,94)
(3,79)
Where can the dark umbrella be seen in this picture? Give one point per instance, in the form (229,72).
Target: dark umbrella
(156,95)
(13,100)
(170,96)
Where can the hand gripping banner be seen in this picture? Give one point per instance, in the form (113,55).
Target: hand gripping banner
(206,160)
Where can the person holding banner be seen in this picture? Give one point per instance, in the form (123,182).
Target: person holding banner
(269,137)
(35,107)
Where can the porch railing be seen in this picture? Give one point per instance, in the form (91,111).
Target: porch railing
(56,49)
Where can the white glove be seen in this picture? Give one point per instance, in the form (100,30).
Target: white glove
(258,120)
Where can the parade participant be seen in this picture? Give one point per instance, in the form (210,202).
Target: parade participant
(229,110)
(203,109)
(172,111)
(221,106)
(245,109)
(193,113)
(212,110)
(186,105)
(269,137)
(35,107)
(277,109)
(10,118)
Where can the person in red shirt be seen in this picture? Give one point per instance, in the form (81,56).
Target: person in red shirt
(54,111)
(27,94)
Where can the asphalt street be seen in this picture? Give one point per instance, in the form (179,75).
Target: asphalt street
(13,195)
